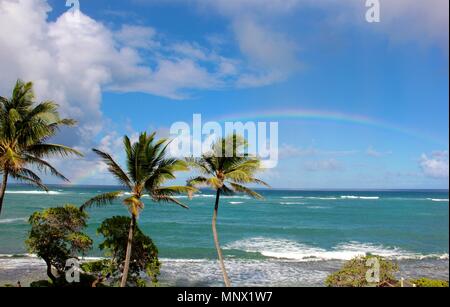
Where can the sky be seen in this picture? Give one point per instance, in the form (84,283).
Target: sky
(359,105)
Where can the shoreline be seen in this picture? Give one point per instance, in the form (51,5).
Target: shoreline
(244,272)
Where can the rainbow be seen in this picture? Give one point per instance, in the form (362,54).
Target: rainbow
(304,114)
(319,115)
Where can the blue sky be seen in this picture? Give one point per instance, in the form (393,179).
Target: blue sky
(125,67)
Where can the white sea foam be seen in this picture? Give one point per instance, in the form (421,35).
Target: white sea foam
(287,249)
(206,272)
(235,197)
(13,220)
(438,199)
(291,203)
(310,197)
(360,197)
(292,197)
(236,202)
(35,192)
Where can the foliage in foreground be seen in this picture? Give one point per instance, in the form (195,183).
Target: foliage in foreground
(144,255)
(353,273)
(429,283)
(56,235)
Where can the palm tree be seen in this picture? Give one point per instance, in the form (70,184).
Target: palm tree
(148,167)
(25,128)
(226,172)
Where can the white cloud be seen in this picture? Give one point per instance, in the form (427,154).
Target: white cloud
(287,151)
(419,21)
(435,165)
(376,154)
(271,55)
(323,165)
(137,36)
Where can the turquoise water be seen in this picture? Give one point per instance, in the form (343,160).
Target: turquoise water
(289,232)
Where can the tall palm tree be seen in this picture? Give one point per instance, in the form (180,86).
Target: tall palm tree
(148,167)
(227,172)
(25,128)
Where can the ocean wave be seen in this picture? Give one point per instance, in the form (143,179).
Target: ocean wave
(287,249)
(235,197)
(13,220)
(35,192)
(291,203)
(438,199)
(236,202)
(293,197)
(360,197)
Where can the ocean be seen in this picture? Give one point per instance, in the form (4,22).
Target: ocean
(290,238)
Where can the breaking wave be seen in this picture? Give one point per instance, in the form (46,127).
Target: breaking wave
(287,249)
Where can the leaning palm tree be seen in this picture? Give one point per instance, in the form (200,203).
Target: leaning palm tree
(148,167)
(226,169)
(25,128)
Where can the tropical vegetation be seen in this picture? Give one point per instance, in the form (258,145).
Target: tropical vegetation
(26,127)
(144,256)
(148,167)
(57,235)
(227,169)
(354,273)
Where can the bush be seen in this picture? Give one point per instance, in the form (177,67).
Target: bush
(353,273)
(429,283)
(96,267)
(56,236)
(144,254)
(41,284)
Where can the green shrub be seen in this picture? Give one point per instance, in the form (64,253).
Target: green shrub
(144,254)
(41,284)
(96,267)
(429,283)
(56,235)
(353,273)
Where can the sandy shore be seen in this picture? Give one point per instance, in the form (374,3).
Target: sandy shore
(179,272)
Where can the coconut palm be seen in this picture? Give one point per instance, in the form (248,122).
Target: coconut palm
(25,128)
(148,167)
(226,170)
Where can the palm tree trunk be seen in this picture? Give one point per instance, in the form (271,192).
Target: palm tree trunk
(126,265)
(216,241)
(3,189)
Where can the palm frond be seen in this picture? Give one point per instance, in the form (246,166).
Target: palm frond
(134,204)
(101,200)
(33,180)
(114,168)
(169,199)
(241,189)
(41,150)
(43,165)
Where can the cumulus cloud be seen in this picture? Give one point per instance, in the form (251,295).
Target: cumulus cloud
(435,165)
